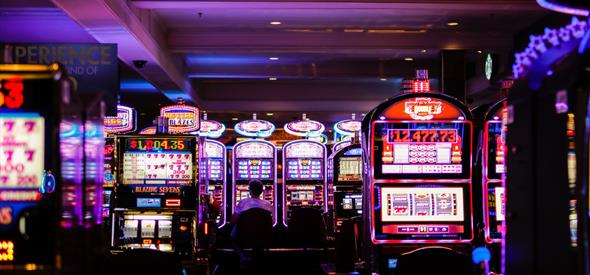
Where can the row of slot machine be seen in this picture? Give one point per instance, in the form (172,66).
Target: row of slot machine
(154,181)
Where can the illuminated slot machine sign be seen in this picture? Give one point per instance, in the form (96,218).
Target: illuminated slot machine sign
(494,167)
(216,174)
(109,174)
(181,118)
(421,170)
(304,176)
(346,129)
(254,160)
(347,183)
(124,122)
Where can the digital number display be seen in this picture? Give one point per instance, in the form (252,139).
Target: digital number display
(349,169)
(416,135)
(421,150)
(11,93)
(416,204)
(21,151)
(249,169)
(305,169)
(158,144)
(157,168)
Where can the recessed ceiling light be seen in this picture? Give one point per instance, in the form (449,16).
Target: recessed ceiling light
(275,22)
(269,114)
(453,24)
(273,58)
(234,118)
(423,51)
(272,78)
(383,79)
(409,59)
(479,52)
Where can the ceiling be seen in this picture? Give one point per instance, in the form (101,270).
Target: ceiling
(327,58)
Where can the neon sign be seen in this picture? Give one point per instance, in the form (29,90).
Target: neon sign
(347,127)
(539,44)
(125,121)
(304,150)
(21,150)
(181,118)
(254,150)
(255,128)
(5,215)
(11,93)
(6,251)
(423,108)
(304,128)
(211,129)
(420,85)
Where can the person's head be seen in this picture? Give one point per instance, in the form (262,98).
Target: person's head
(255,188)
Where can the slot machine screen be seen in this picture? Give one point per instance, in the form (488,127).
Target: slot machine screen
(305,169)
(351,202)
(302,195)
(421,204)
(215,169)
(422,150)
(350,169)
(496,161)
(250,169)
(164,161)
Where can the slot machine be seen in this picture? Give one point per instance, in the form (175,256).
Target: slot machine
(254,160)
(418,182)
(216,174)
(43,203)
(156,202)
(547,157)
(304,177)
(493,170)
(347,183)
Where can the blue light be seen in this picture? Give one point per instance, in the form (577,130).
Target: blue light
(480,254)
(136,85)
(175,94)
(561,8)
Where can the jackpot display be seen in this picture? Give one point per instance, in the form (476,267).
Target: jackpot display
(216,168)
(419,179)
(254,160)
(156,199)
(304,179)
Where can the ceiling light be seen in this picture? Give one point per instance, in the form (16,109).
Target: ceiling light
(479,52)
(423,51)
(409,59)
(269,114)
(272,78)
(273,58)
(453,24)
(234,118)
(383,79)
(275,22)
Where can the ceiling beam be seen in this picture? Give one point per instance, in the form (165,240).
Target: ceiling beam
(195,41)
(138,38)
(442,5)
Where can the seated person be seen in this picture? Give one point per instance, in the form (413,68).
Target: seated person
(254,201)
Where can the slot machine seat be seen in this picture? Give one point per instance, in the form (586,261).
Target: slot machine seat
(434,260)
(307,228)
(254,229)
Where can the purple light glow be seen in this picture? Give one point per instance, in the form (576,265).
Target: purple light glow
(563,9)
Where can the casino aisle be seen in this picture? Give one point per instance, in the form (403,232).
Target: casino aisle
(294,137)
